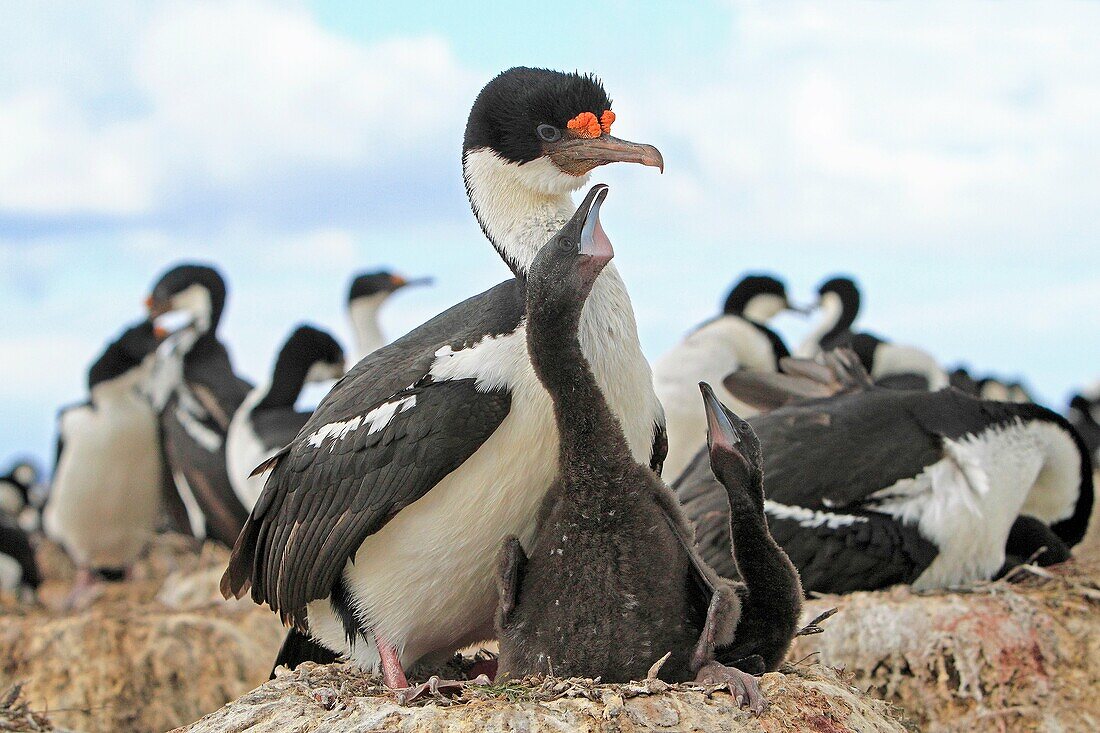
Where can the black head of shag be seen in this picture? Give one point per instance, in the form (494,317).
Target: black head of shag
(844,288)
(309,345)
(524,114)
(181,279)
(750,287)
(383,281)
(124,353)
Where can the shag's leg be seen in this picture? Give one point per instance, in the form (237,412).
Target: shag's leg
(84,590)
(393,676)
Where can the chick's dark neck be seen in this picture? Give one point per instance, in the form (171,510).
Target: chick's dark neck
(590,437)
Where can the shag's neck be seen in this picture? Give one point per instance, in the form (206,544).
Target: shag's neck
(833,320)
(287,381)
(762,309)
(363,313)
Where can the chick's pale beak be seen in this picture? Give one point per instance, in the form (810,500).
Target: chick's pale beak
(594,240)
(580,155)
(720,430)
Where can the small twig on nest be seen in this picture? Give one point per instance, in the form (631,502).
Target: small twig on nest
(811,654)
(814,626)
(1035,555)
(652,673)
(1015,573)
(11,696)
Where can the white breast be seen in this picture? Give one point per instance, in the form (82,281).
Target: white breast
(105,498)
(967,502)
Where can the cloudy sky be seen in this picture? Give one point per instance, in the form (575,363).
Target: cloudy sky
(947,154)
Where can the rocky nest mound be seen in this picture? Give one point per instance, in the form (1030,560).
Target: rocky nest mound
(1020,654)
(338,697)
(149,654)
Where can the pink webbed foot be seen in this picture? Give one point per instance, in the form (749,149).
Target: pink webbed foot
(743,686)
(437,686)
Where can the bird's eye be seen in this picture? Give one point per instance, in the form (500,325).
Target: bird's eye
(566,245)
(548,133)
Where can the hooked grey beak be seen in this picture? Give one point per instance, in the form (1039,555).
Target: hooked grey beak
(581,155)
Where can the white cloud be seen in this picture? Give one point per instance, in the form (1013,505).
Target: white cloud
(225,100)
(890,124)
(51,162)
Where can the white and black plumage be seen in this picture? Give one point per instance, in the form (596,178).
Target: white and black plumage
(1001,390)
(737,339)
(20,495)
(989,387)
(889,364)
(1083,414)
(871,486)
(105,499)
(18,568)
(435,447)
(196,393)
(367,294)
(266,420)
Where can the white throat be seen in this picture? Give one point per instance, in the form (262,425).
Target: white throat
(195,300)
(363,313)
(764,307)
(518,206)
(831,310)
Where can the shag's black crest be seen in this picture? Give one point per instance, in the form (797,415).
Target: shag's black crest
(750,286)
(511,106)
(181,277)
(372,282)
(123,354)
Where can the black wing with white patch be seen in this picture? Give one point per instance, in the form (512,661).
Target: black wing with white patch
(860,550)
(381,439)
(838,451)
(872,551)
